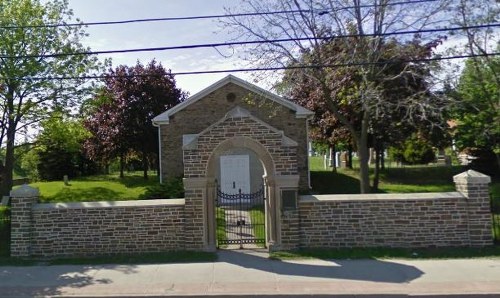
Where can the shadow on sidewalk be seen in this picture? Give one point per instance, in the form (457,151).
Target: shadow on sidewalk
(362,270)
(47,281)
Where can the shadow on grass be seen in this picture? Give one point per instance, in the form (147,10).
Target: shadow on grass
(67,194)
(421,175)
(330,182)
(130,180)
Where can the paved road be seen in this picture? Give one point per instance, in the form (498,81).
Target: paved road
(237,273)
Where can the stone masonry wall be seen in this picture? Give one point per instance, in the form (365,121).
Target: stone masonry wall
(205,112)
(103,228)
(285,158)
(385,221)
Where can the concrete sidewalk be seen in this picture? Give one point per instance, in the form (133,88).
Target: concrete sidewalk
(238,273)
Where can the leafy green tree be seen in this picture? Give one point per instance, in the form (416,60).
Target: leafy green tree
(59,148)
(414,150)
(391,113)
(27,63)
(478,113)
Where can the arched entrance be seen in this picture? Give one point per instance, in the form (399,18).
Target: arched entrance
(242,211)
(239,133)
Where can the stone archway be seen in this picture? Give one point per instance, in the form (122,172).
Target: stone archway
(201,153)
(267,162)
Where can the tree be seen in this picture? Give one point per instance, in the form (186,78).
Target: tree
(136,95)
(59,148)
(27,63)
(310,23)
(478,113)
(389,123)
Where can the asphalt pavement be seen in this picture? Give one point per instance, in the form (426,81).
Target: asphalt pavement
(239,273)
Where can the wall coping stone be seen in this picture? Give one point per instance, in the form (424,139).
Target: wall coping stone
(471,176)
(380,197)
(25,191)
(111,204)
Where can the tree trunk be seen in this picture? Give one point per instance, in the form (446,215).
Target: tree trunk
(333,158)
(145,164)
(376,176)
(6,185)
(382,157)
(363,155)
(364,169)
(349,157)
(122,165)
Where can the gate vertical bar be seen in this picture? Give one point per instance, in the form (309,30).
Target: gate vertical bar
(240,218)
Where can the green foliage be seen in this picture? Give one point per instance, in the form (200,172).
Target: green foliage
(478,112)
(59,149)
(413,151)
(4,231)
(171,189)
(23,37)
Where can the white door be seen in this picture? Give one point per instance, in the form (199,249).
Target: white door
(235,173)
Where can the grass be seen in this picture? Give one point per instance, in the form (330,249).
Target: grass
(95,188)
(257,218)
(221,226)
(390,253)
(392,180)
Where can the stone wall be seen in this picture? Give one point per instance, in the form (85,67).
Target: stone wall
(460,218)
(96,228)
(411,220)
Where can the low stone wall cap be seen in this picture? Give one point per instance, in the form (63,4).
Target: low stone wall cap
(472,176)
(24,191)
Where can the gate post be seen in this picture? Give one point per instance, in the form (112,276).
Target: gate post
(22,201)
(474,186)
(195,212)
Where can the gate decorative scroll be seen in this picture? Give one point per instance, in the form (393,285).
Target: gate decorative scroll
(240,218)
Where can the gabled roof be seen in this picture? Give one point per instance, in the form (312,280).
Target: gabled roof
(300,112)
(190,141)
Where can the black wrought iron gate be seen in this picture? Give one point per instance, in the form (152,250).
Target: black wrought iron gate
(240,219)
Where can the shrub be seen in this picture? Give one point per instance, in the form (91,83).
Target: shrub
(413,151)
(170,189)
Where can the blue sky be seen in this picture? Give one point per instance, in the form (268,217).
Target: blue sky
(159,34)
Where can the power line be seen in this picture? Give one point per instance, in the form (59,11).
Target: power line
(101,23)
(225,44)
(350,64)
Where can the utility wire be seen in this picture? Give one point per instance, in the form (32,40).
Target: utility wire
(319,12)
(225,44)
(311,66)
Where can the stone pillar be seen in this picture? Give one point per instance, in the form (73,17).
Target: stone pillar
(195,210)
(474,186)
(22,201)
(288,226)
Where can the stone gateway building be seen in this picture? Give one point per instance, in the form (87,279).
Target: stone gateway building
(230,109)
(235,137)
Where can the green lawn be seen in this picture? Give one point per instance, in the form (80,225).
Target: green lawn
(221,226)
(95,188)
(392,180)
(257,216)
